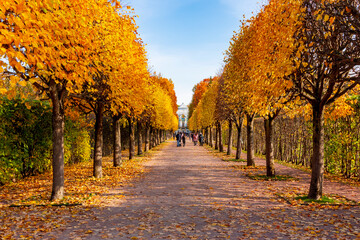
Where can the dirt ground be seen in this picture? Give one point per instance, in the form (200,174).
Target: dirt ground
(187,193)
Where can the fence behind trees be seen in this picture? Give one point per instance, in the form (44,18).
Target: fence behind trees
(293,142)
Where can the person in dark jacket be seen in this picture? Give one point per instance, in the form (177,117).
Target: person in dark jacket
(178,139)
(183,139)
(201,139)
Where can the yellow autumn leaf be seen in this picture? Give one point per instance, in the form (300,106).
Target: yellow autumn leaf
(27,105)
(332,19)
(326,18)
(22,83)
(318,17)
(3,90)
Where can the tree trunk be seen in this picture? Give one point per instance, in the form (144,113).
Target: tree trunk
(250,140)
(58,123)
(154,138)
(207,135)
(305,151)
(131,138)
(230,139)
(281,145)
(211,136)
(159,136)
(117,141)
(221,145)
(147,133)
(151,132)
(317,171)
(99,112)
(238,144)
(216,137)
(139,137)
(269,149)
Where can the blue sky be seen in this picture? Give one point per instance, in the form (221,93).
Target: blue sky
(186,39)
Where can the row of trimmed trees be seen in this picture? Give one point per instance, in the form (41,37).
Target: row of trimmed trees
(297,57)
(293,137)
(85,56)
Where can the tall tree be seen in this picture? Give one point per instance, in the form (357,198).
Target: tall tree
(50,44)
(271,63)
(116,34)
(327,67)
(237,82)
(198,91)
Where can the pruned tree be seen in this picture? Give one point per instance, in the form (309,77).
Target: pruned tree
(327,61)
(50,44)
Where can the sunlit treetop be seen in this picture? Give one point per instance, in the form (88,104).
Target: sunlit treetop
(70,42)
(204,114)
(49,40)
(259,58)
(167,85)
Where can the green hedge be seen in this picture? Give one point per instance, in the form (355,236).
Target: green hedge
(26,139)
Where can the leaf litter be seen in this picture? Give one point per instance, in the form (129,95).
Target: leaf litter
(186,194)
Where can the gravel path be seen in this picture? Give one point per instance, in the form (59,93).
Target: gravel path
(190,194)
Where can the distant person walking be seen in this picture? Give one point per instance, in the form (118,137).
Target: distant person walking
(195,138)
(183,139)
(178,139)
(201,139)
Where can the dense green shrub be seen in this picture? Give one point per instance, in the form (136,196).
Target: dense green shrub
(77,143)
(26,139)
(342,145)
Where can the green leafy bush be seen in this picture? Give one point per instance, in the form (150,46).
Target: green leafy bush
(77,143)
(26,139)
